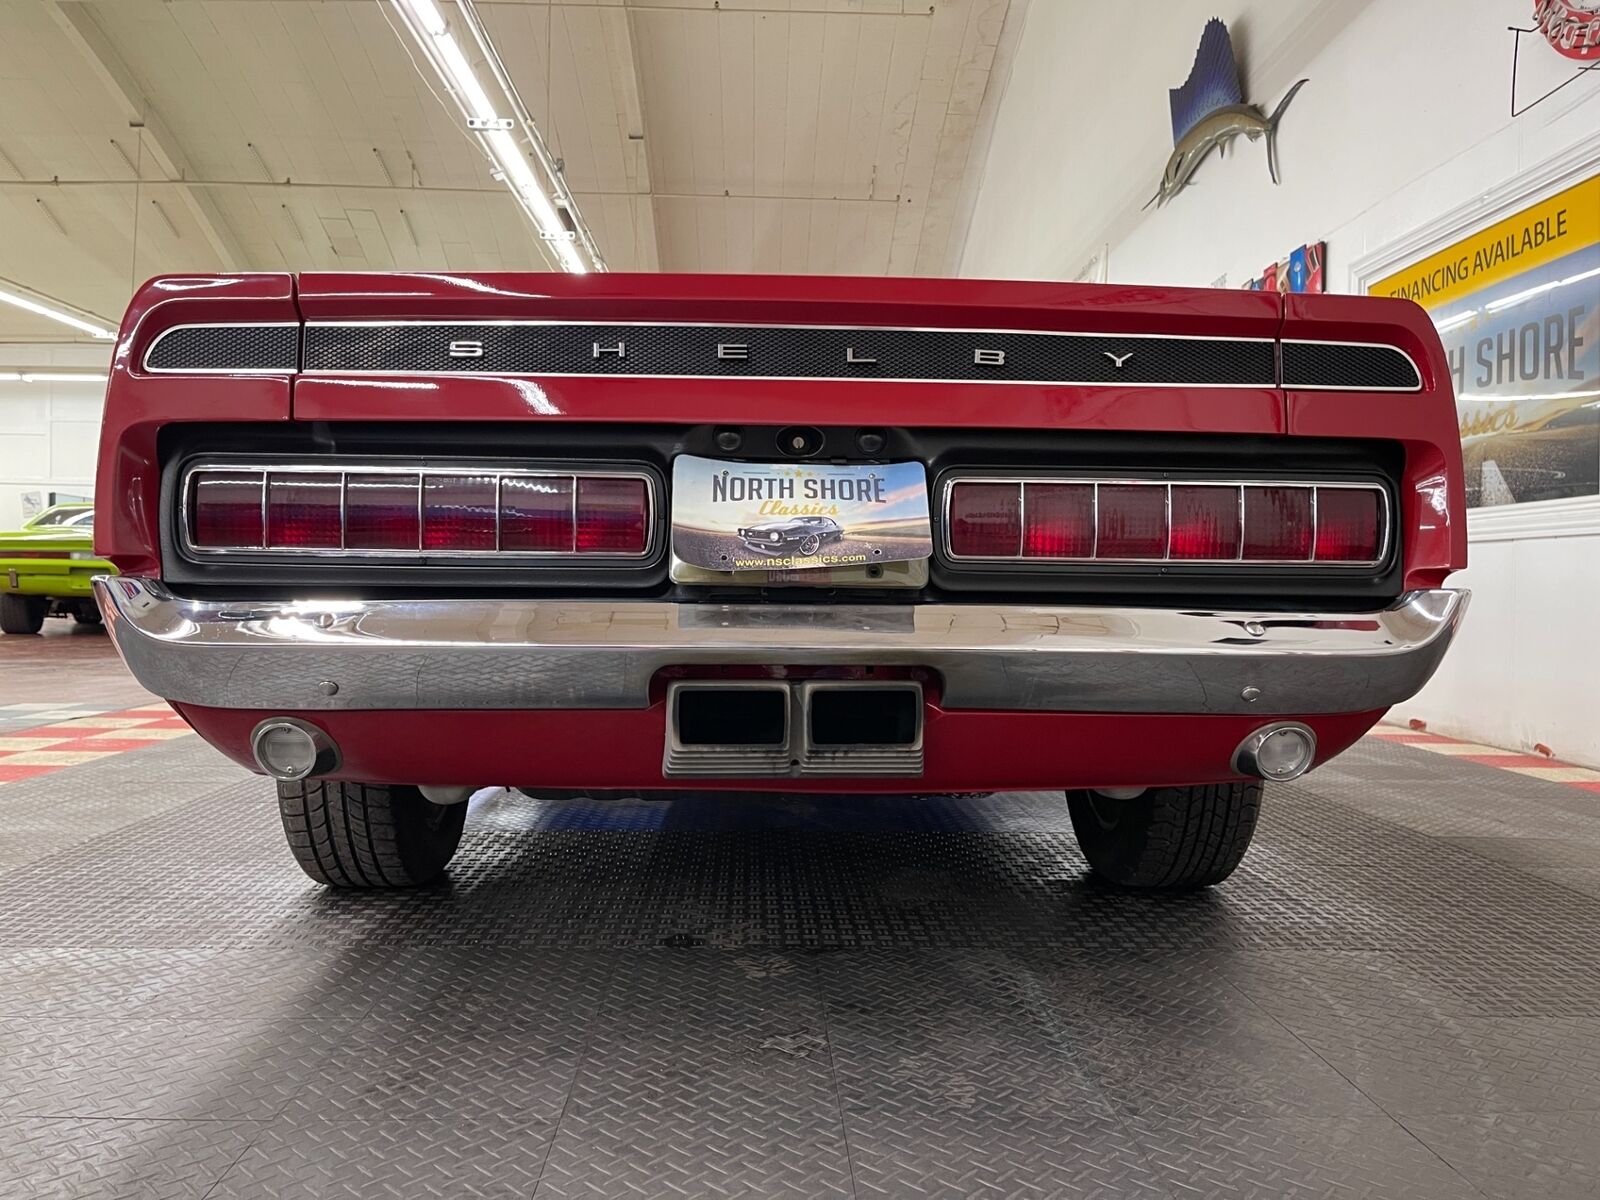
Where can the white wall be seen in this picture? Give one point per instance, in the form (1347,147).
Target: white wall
(1406,117)
(48,431)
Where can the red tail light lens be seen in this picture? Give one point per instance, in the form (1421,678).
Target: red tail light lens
(1058,520)
(1349,525)
(303,511)
(985,520)
(1205,522)
(536,513)
(613,515)
(1277,523)
(1194,523)
(1133,521)
(458,512)
(382,512)
(225,510)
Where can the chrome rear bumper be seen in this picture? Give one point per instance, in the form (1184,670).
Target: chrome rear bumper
(519,654)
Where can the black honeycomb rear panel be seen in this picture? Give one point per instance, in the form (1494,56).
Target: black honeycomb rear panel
(208,349)
(810,352)
(1346,367)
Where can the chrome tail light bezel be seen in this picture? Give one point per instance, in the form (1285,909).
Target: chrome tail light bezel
(346,466)
(949,480)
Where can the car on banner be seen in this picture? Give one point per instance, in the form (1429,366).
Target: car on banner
(804,534)
(47,568)
(1152,549)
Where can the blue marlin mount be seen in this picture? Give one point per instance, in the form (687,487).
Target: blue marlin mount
(1209,113)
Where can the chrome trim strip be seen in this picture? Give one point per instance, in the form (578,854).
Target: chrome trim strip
(1327,387)
(708,761)
(1077,333)
(344,468)
(949,481)
(889,329)
(553,654)
(1094,383)
(144,361)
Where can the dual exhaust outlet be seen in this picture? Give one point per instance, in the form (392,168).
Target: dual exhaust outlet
(771,728)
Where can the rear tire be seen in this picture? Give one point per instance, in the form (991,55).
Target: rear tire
(368,835)
(22,614)
(87,614)
(1173,838)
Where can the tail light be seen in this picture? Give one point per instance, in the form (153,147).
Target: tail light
(1132,521)
(305,510)
(986,519)
(612,516)
(1348,525)
(411,512)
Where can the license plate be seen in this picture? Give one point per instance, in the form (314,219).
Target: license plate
(733,516)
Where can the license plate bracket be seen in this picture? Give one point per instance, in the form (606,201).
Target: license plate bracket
(790,517)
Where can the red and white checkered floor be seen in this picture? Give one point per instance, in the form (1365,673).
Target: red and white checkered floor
(36,739)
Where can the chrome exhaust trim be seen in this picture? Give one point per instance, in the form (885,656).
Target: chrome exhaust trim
(1278,752)
(794,752)
(289,749)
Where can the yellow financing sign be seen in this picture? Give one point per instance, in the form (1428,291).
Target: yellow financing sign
(1550,229)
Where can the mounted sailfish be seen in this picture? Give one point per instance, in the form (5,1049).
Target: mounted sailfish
(1209,112)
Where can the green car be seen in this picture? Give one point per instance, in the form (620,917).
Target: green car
(45,569)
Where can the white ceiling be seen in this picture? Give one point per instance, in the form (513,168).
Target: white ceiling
(143,136)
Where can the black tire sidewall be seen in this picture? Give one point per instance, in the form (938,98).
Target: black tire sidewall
(23,614)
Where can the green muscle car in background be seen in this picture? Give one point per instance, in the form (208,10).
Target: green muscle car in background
(45,569)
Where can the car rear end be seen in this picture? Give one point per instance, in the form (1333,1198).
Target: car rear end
(428,521)
(47,569)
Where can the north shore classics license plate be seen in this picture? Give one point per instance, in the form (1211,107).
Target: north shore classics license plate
(731,516)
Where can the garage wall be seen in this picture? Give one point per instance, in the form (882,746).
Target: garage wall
(1406,117)
(48,431)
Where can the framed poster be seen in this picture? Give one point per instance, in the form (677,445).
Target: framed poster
(1517,304)
(1302,271)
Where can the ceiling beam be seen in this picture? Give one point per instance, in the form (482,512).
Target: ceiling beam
(80,28)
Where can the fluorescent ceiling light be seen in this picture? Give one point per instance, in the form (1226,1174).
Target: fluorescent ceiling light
(1519,297)
(52,378)
(425,20)
(1458,319)
(55,312)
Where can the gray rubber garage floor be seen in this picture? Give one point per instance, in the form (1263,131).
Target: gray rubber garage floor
(1398,995)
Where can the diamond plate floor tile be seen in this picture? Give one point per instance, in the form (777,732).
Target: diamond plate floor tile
(956,1153)
(187,1070)
(520,1067)
(1413,1062)
(378,1160)
(1519,1156)
(808,996)
(1218,1157)
(1585,881)
(745,1111)
(1534,852)
(73,1159)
